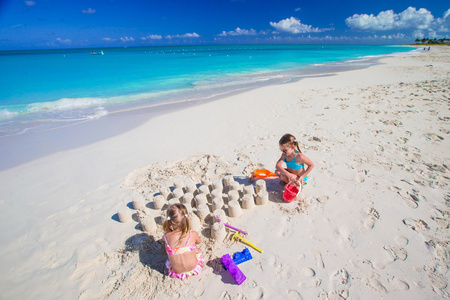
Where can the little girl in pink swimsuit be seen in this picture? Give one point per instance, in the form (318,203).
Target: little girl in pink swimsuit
(181,244)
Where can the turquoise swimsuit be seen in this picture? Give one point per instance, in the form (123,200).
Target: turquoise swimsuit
(293,165)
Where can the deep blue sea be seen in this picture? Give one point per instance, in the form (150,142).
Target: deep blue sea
(44,89)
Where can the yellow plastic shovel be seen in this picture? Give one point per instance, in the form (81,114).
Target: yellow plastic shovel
(239,237)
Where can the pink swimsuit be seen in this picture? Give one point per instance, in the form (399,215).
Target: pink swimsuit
(181,250)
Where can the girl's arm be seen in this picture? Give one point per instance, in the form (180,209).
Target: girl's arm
(282,171)
(309,163)
(279,165)
(197,238)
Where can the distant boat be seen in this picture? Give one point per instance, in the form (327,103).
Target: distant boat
(97,53)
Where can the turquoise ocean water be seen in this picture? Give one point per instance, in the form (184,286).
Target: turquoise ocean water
(44,89)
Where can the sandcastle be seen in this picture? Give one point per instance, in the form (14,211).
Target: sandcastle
(206,201)
(124,215)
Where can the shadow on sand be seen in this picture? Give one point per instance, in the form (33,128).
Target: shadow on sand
(151,251)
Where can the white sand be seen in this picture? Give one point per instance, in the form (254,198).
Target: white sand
(372,222)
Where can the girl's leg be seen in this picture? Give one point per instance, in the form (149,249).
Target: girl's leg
(281,176)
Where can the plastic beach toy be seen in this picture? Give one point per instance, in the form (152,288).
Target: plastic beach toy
(262,173)
(234,270)
(232,227)
(240,257)
(239,237)
(291,191)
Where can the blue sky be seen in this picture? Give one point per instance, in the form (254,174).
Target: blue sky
(56,24)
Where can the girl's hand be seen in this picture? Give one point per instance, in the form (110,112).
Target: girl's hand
(292,177)
(302,180)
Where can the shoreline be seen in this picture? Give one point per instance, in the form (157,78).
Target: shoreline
(371,223)
(118,122)
(65,109)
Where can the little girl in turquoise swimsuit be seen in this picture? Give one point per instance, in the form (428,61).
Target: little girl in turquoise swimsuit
(298,165)
(181,244)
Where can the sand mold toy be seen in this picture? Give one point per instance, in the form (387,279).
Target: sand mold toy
(263,173)
(234,270)
(240,257)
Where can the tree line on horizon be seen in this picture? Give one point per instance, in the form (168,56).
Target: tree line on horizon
(428,41)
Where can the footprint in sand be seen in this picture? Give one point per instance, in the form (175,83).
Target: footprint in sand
(410,199)
(338,285)
(311,283)
(442,253)
(372,216)
(441,218)
(419,225)
(376,285)
(433,137)
(199,291)
(439,282)
(294,294)
(401,240)
(379,150)
(379,264)
(339,278)
(307,272)
(318,257)
(257,293)
(336,294)
(225,296)
(441,222)
(284,272)
(399,285)
(361,176)
(396,253)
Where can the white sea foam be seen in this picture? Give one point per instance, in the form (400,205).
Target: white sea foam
(6,114)
(99,112)
(65,104)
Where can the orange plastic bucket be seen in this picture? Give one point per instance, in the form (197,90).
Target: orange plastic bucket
(290,192)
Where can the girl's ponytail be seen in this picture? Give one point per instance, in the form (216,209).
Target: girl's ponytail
(177,218)
(296,144)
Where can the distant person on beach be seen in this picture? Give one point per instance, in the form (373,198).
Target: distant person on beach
(298,165)
(181,244)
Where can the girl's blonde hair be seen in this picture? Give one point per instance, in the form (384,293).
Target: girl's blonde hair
(289,140)
(177,219)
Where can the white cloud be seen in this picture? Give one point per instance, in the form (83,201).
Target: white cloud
(239,31)
(107,39)
(443,24)
(186,35)
(447,13)
(127,39)
(30,3)
(293,25)
(396,36)
(66,41)
(88,11)
(298,9)
(151,37)
(410,18)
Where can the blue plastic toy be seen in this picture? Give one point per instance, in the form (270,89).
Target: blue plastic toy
(240,257)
